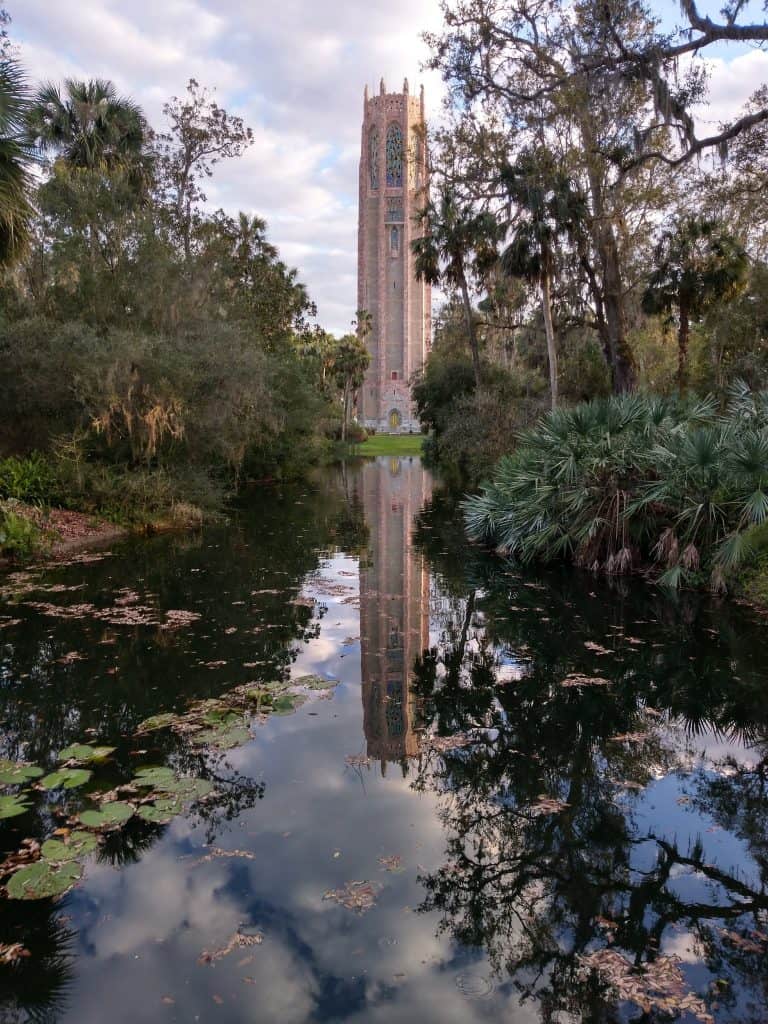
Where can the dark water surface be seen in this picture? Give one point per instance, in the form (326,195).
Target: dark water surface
(603,803)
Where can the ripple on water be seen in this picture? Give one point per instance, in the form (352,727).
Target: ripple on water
(475,986)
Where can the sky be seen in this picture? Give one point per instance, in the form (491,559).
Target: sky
(295,71)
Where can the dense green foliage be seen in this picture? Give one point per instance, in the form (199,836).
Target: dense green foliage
(153,353)
(583,248)
(628,482)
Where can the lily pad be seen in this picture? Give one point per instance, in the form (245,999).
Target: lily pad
(84,752)
(287,703)
(78,844)
(66,778)
(222,738)
(222,719)
(155,815)
(156,777)
(189,789)
(315,682)
(173,804)
(113,813)
(17,772)
(43,879)
(154,722)
(11,806)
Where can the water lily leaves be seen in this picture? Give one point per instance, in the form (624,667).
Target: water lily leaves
(189,789)
(43,879)
(156,815)
(172,798)
(17,772)
(112,814)
(78,844)
(84,752)
(315,682)
(66,778)
(222,718)
(154,722)
(170,804)
(155,777)
(11,806)
(222,737)
(287,703)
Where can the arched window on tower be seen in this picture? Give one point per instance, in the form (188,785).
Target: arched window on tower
(394,241)
(394,156)
(415,158)
(373,156)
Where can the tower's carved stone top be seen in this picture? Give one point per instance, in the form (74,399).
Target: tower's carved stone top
(394,103)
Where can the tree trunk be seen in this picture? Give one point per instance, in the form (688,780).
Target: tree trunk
(345,417)
(549,330)
(471,328)
(623,370)
(618,353)
(683,334)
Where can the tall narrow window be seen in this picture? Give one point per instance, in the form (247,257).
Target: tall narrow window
(373,156)
(415,159)
(394,241)
(394,156)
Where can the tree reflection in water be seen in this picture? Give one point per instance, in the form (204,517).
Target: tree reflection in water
(560,836)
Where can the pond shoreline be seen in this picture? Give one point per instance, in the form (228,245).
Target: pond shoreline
(65,532)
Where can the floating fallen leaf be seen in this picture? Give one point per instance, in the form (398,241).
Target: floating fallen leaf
(596,648)
(357,896)
(578,680)
(178,617)
(657,986)
(392,863)
(70,658)
(237,941)
(547,805)
(215,853)
(753,942)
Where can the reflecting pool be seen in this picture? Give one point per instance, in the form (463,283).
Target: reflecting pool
(356,769)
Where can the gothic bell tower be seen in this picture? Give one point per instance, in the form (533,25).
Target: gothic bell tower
(393,188)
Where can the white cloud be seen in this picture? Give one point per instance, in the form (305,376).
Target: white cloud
(295,70)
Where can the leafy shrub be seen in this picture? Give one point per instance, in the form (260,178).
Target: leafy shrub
(472,428)
(18,535)
(356,433)
(29,479)
(628,481)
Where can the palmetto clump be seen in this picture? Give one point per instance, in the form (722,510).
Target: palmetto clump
(630,481)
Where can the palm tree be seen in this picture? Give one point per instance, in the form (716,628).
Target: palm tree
(89,126)
(16,209)
(548,206)
(458,244)
(698,265)
(350,361)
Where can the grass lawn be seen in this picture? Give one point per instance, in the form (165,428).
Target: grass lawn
(391,444)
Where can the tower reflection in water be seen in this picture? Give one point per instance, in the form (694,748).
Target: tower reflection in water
(394,606)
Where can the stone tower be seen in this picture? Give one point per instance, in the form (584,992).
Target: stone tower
(393,185)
